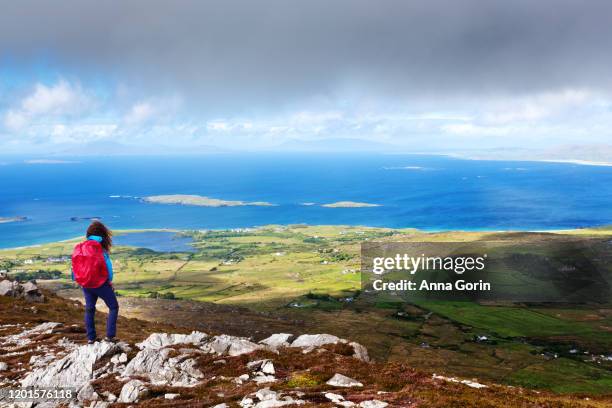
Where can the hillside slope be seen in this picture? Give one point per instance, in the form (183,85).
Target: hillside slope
(43,344)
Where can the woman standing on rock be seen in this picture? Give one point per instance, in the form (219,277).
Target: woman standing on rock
(92,270)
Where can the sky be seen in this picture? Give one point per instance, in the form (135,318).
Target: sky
(234,75)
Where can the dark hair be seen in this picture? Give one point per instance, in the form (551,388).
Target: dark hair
(99,229)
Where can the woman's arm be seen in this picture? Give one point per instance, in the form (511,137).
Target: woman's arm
(109,266)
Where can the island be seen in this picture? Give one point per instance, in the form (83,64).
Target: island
(4,220)
(349,204)
(50,161)
(202,201)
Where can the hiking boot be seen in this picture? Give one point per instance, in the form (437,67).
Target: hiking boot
(110,339)
(93,341)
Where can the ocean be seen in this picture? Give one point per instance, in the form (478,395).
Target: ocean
(413,191)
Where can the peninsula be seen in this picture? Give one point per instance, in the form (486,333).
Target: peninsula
(349,204)
(202,201)
(4,220)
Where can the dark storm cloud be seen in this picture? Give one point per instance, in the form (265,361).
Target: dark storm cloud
(276,52)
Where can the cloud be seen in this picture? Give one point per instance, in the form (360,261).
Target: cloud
(59,99)
(14,121)
(541,106)
(141,112)
(243,74)
(241,55)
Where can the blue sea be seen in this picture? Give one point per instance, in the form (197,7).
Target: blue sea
(426,192)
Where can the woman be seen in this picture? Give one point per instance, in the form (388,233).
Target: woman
(92,269)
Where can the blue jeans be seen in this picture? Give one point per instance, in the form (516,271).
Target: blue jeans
(107,294)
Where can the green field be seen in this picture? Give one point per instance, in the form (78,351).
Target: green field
(312,274)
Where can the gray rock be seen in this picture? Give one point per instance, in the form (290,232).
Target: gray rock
(87,393)
(161,369)
(315,340)
(231,345)
(171,396)
(339,380)
(277,340)
(160,340)
(270,399)
(133,391)
(361,353)
(261,378)
(146,361)
(119,358)
(23,338)
(9,288)
(373,404)
(75,368)
(224,405)
(3,366)
(264,366)
(266,394)
(98,404)
(29,287)
(241,378)
(334,397)
(246,402)
(268,368)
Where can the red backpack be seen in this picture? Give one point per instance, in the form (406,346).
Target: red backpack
(88,264)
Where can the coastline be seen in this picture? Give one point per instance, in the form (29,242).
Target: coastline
(593,230)
(526,160)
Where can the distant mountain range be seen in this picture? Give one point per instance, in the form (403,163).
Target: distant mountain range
(595,154)
(600,154)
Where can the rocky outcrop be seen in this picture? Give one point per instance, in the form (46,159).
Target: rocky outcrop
(277,340)
(308,342)
(28,291)
(77,368)
(178,361)
(185,369)
(160,340)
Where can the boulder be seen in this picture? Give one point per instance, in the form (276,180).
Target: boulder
(231,345)
(339,380)
(133,391)
(160,340)
(161,369)
(361,353)
(373,404)
(29,287)
(146,361)
(87,393)
(315,340)
(277,340)
(9,288)
(264,366)
(31,292)
(3,366)
(268,399)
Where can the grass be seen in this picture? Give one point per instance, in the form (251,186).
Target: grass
(303,274)
(507,321)
(564,376)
